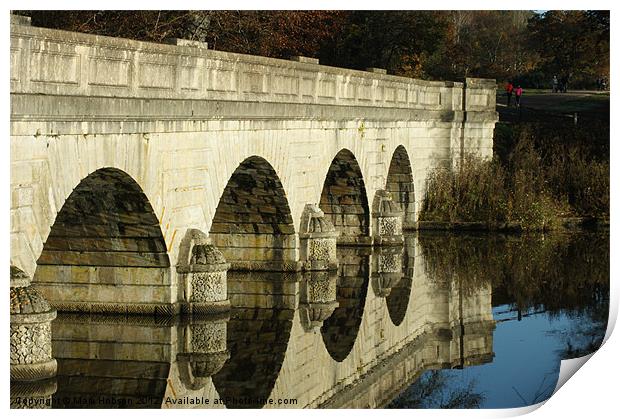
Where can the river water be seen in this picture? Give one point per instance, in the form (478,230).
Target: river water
(448,320)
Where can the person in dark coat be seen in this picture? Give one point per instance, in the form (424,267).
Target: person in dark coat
(509,89)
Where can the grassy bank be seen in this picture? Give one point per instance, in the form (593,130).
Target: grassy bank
(541,174)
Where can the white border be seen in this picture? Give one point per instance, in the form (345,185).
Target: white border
(593,392)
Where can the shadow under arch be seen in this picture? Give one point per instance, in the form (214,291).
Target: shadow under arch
(340,330)
(400,184)
(344,200)
(105,250)
(252,225)
(398,300)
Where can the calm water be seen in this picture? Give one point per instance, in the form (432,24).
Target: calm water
(550,302)
(447,321)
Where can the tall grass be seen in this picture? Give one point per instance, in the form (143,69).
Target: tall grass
(537,178)
(473,191)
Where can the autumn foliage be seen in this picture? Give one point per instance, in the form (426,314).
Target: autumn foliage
(520,45)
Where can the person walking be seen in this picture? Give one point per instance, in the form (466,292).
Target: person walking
(564,84)
(555,84)
(509,89)
(518,93)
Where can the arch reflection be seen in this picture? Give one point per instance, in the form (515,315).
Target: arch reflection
(340,330)
(257,336)
(109,361)
(398,300)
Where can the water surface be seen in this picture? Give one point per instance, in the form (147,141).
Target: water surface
(446,321)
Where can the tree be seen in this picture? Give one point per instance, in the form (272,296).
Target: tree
(394,40)
(279,34)
(482,44)
(572,43)
(144,25)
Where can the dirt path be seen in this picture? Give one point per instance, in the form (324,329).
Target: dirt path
(536,106)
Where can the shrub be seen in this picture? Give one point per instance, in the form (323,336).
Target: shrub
(473,191)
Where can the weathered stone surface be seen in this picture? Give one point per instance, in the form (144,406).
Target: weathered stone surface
(31,344)
(317,238)
(30,331)
(204,274)
(387,218)
(207,287)
(19,278)
(30,335)
(27,300)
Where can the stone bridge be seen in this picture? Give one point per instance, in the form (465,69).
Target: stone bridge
(142,172)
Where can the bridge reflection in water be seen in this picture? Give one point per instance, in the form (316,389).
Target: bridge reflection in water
(354,337)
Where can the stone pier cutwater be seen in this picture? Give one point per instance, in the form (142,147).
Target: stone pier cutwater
(204,274)
(33,367)
(317,238)
(387,220)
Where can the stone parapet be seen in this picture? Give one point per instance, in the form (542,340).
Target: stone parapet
(49,61)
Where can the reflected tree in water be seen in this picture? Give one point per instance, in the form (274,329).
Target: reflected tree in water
(557,274)
(432,390)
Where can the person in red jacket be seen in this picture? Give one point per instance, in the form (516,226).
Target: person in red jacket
(509,89)
(518,93)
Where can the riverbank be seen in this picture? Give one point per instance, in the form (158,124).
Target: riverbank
(568,224)
(546,174)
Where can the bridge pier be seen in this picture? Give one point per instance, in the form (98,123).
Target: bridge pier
(31,331)
(387,220)
(317,240)
(203,271)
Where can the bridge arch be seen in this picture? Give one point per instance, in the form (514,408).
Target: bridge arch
(105,250)
(400,184)
(344,200)
(253,226)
